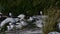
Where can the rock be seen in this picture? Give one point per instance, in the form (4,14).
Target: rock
(54,32)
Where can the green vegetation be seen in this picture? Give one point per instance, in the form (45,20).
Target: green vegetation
(53,16)
(29,7)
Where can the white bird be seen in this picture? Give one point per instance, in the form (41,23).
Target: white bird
(41,12)
(10,14)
